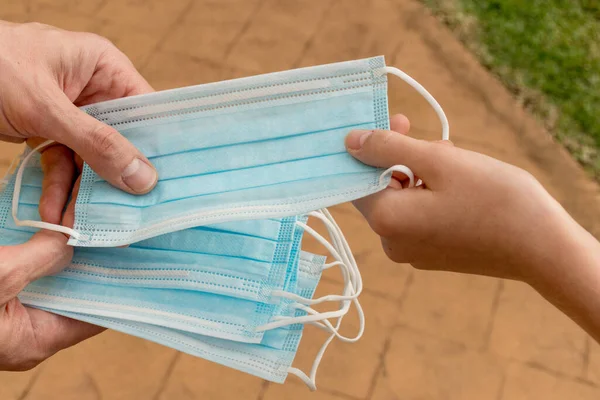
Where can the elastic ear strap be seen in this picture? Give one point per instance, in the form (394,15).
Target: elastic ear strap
(426,95)
(350,263)
(339,252)
(311,380)
(17,193)
(352,283)
(399,168)
(346,247)
(336,235)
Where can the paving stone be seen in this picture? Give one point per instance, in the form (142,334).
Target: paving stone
(14,385)
(14,11)
(419,366)
(294,391)
(528,329)
(72,7)
(276,37)
(524,382)
(210,29)
(357,29)
(137,44)
(451,306)
(195,378)
(349,368)
(592,372)
(8,152)
(109,366)
(152,15)
(64,20)
(169,70)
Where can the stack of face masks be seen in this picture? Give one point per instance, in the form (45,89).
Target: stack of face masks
(215,266)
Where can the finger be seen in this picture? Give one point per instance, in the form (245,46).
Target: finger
(384,149)
(394,210)
(107,152)
(11,139)
(69,215)
(59,171)
(79,163)
(399,123)
(55,332)
(44,254)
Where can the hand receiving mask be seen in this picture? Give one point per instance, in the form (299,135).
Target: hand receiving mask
(261,147)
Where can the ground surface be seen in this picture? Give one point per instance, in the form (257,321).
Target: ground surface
(429,335)
(546,52)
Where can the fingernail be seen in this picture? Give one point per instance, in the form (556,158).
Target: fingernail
(357,138)
(139,176)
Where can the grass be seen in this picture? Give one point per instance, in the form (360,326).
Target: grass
(547,52)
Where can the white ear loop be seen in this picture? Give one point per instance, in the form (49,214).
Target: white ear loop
(436,107)
(17,193)
(340,250)
(352,283)
(426,95)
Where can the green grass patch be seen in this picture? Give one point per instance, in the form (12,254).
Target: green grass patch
(547,52)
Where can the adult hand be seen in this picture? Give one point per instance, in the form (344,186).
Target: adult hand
(28,335)
(45,73)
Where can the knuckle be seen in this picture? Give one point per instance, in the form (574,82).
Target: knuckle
(105,141)
(37,26)
(381,223)
(526,177)
(384,137)
(11,281)
(99,42)
(30,361)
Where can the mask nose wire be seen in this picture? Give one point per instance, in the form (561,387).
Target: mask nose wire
(17,193)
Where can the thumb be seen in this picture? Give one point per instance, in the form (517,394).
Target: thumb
(107,152)
(384,149)
(44,254)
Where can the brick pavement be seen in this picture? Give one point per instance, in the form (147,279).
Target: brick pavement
(429,335)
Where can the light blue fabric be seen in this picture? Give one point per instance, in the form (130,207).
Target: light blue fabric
(261,147)
(230,316)
(270,363)
(246,259)
(188,312)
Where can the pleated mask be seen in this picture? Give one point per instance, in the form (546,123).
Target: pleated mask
(203,312)
(247,259)
(270,363)
(122,283)
(267,146)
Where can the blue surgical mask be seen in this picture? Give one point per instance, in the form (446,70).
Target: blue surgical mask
(179,318)
(270,363)
(143,283)
(225,313)
(203,313)
(261,147)
(247,259)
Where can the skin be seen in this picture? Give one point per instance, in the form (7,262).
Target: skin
(473,215)
(480,216)
(45,74)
